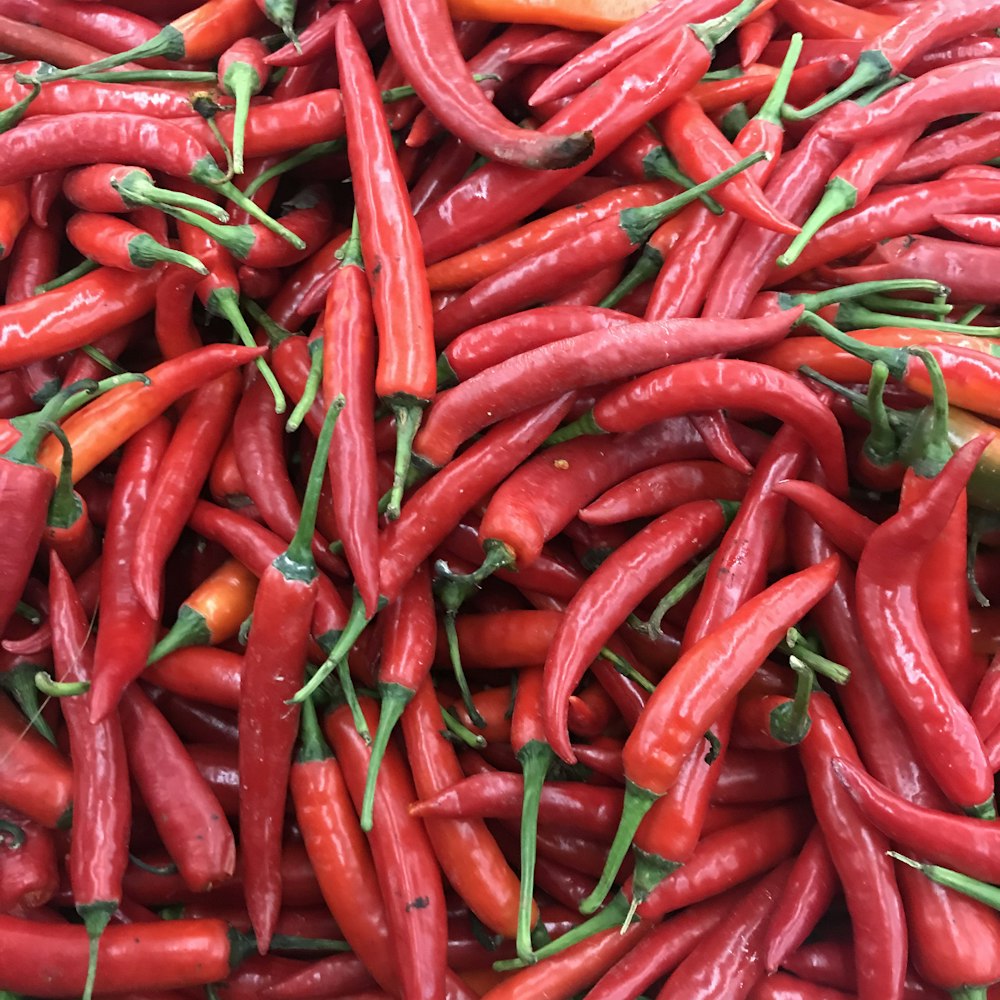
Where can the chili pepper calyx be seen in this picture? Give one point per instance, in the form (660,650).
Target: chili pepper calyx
(872,68)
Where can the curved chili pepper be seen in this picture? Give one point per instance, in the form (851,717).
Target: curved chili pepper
(471,860)
(405,376)
(35,779)
(273,670)
(662,488)
(79,139)
(113,242)
(28,41)
(588,359)
(102,798)
(699,385)
(188,816)
(178,482)
(904,41)
(213,612)
(348,368)
(610,593)
(690,697)
(492,198)
(908,666)
(405,865)
(127,631)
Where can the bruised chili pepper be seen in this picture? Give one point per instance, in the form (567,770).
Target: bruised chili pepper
(405,375)
(178,482)
(348,368)
(242,73)
(908,38)
(127,631)
(908,666)
(468,853)
(274,667)
(699,385)
(590,358)
(493,197)
(212,612)
(689,698)
(610,593)
(407,870)
(113,242)
(98,429)
(98,852)
(338,852)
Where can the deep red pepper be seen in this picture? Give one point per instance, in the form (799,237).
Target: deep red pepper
(405,865)
(28,873)
(127,631)
(113,242)
(273,670)
(971,141)
(98,853)
(180,477)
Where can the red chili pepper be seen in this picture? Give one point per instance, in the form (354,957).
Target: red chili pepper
(348,368)
(98,853)
(689,699)
(590,358)
(111,29)
(468,854)
(405,865)
(808,893)
(69,531)
(27,41)
(972,141)
(984,229)
(782,986)
(113,242)
(492,198)
(273,670)
(127,631)
(204,673)
(242,73)
(179,480)
(908,667)
(405,376)
(28,874)
(338,852)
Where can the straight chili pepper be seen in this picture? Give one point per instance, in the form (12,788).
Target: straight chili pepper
(274,668)
(469,856)
(493,197)
(179,480)
(99,838)
(608,596)
(971,141)
(348,368)
(592,358)
(204,673)
(97,430)
(908,666)
(405,375)
(127,631)
(911,36)
(113,242)
(405,865)
(689,698)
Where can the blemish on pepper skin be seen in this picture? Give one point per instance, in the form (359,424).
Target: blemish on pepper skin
(420,903)
(561,464)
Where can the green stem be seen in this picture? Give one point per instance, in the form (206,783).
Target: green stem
(770,110)
(857,316)
(395,698)
(224,302)
(83,268)
(789,723)
(65,507)
(136,189)
(168,44)
(311,388)
(647,266)
(242,81)
(190,629)
(81,397)
(95,354)
(982,892)
(9,117)
(587,424)
(145,252)
(96,916)
(638,802)
(168,869)
(640,223)
(312,745)
(31,615)
(680,590)
(795,644)
(12,834)
(889,304)
(536,758)
(927,449)
(19,682)
(627,670)
(303,156)
(462,733)
(59,689)
(659,163)
(149,76)
(35,427)
(293,942)
(872,68)
(455,656)
(408,416)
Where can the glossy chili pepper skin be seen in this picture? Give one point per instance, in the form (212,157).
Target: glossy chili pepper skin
(189,817)
(28,872)
(610,594)
(127,631)
(590,358)
(101,794)
(183,471)
(971,141)
(204,673)
(405,865)
(909,669)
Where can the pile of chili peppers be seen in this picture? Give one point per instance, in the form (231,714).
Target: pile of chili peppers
(499,499)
